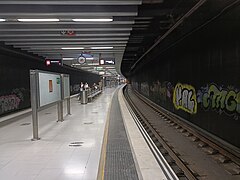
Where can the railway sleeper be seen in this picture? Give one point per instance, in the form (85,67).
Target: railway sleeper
(170,160)
(182,130)
(163,151)
(178,171)
(221,158)
(188,134)
(202,144)
(194,138)
(158,144)
(210,150)
(232,168)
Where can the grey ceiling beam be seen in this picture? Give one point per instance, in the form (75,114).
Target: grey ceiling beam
(59,11)
(15,40)
(73,2)
(54,51)
(52,35)
(25,29)
(66,15)
(76,55)
(62,27)
(66,22)
(64,54)
(46,47)
(32,44)
(74,51)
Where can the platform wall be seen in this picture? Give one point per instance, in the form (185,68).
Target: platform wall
(15,80)
(198,78)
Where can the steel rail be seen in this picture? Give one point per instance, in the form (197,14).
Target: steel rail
(167,170)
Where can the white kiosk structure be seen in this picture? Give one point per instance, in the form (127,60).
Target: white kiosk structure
(48,89)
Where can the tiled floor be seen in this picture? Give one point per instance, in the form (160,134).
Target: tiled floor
(51,157)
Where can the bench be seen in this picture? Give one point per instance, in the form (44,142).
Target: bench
(93,94)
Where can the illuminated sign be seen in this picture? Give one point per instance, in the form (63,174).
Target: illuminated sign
(49,62)
(107,61)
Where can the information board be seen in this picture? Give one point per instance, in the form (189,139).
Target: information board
(49,88)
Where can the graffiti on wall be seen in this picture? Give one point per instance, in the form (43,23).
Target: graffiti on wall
(145,88)
(11,101)
(8,103)
(220,99)
(184,97)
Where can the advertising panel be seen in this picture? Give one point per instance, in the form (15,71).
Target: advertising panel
(49,88)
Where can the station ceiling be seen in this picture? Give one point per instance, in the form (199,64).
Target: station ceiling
(129,29)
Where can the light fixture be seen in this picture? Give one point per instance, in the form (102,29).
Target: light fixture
(90,58)
(102,62)
(101,47)
(71,48)
(38,20)
(67,59)
(2,20)
(93,20)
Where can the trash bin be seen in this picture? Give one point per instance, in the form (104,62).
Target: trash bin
(84,98)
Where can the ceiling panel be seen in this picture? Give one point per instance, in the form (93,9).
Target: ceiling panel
(48,38)
(136,25)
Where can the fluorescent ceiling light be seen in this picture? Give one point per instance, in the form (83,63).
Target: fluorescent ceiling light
(93,64)
(68,48)
(38,20)
(2,20)
(101,47)
(93,20)
(90,58)
(68,59)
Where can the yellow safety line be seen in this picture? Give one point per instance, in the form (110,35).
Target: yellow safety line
(104,147)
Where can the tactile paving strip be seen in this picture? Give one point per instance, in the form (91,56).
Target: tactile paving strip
(119,160)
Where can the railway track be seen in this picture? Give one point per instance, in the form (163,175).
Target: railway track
(155,122)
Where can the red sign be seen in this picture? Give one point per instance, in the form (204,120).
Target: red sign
(68,33)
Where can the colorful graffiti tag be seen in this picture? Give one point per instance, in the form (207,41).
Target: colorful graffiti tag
(219,99)
(12,100)
(184,97)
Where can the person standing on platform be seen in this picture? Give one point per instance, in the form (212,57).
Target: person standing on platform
(86,86)
(81,89)
(81,86)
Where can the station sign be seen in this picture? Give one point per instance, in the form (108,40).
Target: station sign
(107,61)
(49,62)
